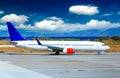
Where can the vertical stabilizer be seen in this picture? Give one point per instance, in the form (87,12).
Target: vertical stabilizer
(13,33)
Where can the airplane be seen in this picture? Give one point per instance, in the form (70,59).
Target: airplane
(67,47)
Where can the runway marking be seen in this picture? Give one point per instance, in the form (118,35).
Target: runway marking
(12,71)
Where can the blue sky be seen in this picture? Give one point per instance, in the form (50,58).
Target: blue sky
(61,17)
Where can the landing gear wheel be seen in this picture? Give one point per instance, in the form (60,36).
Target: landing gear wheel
(100,52)
(57,53)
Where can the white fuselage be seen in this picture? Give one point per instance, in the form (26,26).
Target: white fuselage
(76,45)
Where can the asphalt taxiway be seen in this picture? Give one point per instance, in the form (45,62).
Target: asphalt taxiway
(60,66)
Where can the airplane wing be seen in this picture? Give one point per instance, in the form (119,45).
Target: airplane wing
(53,48)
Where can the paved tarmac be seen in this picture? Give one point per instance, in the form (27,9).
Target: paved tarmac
(60,66)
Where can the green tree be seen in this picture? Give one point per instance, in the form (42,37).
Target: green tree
(115,38)
(98,40)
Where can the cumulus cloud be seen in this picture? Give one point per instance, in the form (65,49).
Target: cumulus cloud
(92,24)
(95,24)
(1,12)
(58,25)
(14,18)
(84,10)
(50,24)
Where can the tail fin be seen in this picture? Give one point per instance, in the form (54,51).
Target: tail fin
(13,33)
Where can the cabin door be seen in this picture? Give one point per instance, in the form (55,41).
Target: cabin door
(97,46)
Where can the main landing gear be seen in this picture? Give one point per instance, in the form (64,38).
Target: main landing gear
(100,52)
(57,53)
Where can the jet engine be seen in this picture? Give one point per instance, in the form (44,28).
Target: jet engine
(68,50)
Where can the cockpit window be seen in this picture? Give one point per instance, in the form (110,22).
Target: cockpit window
(103,45)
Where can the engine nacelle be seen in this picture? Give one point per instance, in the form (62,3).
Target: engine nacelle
(68,50)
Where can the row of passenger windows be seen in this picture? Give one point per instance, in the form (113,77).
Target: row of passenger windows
(66,44)
(71,44)
(81,45)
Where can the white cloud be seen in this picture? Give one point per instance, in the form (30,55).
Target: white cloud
(54,18)
(107,14)
(2,27)
(1,12)
(95,24)
(59,25)
(92,24)
(50,24)
(14,18)
(84,10)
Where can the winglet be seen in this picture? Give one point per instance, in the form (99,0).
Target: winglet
(38,42)
(13,33)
